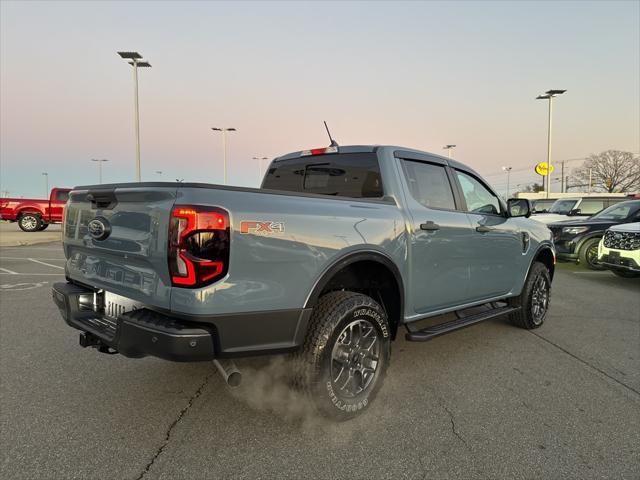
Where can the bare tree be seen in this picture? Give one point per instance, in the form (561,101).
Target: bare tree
(610,171)
(534,187)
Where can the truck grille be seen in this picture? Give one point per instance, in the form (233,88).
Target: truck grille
(622,240)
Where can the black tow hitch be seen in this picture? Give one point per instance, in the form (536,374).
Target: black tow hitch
(89,340)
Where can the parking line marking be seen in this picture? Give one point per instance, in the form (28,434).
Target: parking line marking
(47,264)
(33,274)
(25,258)
(9,272)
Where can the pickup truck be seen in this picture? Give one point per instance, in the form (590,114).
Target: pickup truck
(35,215)
(339,249)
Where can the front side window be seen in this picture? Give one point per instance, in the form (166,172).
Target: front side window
(62,196)
(478,197)
(429,184)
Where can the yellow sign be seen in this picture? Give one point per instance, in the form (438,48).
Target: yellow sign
(543,169)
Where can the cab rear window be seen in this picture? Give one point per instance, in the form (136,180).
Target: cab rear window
(355,175)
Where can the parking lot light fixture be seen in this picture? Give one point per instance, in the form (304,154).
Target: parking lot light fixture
(134,60)
(448,148)
(508,170)
(99,161)
(46,184)
(224,131)
(549,95)
(260,159)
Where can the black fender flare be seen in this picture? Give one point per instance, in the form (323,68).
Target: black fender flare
(542,247)
(348,259)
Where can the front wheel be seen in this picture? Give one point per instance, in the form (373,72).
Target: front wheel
(345,355)
(589,254)
(534,299)
(29,222)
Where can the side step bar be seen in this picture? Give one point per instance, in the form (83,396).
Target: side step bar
(440,329)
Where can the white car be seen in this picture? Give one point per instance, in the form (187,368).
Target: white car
(619,250)
(569,208)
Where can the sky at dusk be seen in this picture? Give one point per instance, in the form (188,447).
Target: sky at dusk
(417,74)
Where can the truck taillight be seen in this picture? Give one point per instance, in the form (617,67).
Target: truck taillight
(198,245)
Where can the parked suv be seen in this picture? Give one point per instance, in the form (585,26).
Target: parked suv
(341,248)
(578,240)
(619,250)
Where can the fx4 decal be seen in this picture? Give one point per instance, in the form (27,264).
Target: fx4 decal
(264,228)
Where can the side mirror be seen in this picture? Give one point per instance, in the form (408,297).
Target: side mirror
(574,212)
(519,207)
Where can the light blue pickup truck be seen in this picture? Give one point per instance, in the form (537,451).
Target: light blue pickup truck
(339,249)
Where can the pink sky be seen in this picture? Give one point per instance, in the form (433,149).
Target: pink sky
(415,74)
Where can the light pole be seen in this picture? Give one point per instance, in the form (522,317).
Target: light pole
(549,94)
(135,61)
(99,161)
(224,131)
(448,148)
(46,184)
(508,170)
(259,159)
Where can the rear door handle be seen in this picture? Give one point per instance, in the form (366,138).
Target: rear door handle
(484,229)
(429,226)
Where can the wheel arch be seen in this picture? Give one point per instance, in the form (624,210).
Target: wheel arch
(27,209)
(365,271)
(544,255)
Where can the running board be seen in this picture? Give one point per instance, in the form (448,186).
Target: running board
(440,329)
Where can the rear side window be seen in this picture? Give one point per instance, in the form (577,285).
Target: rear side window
(590,206)
(355,175)
(429,184)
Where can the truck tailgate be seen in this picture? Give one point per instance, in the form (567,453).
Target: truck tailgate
(131,259)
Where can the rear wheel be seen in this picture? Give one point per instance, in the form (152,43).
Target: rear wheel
(589,254)
(534,299)
(29,222)
(344,358)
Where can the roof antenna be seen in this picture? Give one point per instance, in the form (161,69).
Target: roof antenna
(333,142)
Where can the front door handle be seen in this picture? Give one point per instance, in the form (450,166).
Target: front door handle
(484,229)
(429,226)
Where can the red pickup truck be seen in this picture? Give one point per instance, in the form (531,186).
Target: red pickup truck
(35,215)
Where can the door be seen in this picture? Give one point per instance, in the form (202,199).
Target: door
(440,236)
(498,244)
(57,203)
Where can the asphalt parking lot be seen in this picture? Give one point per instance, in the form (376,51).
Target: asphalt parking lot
(491,401)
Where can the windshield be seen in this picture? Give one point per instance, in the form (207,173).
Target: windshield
(563,207)
(621,211)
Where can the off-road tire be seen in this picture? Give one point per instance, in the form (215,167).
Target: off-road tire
(333,315)
(586,254)
(626,274)
(29,222)
(525,317)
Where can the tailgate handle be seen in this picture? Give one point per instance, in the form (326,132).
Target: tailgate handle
(103,199)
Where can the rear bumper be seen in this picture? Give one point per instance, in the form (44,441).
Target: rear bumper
(182,338)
